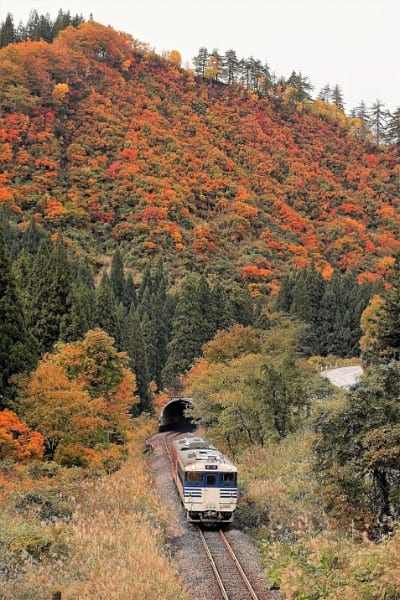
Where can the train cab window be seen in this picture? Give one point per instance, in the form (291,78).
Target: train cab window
(211,479)
(228,477)
(194,476)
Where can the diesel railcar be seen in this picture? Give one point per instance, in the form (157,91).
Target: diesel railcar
(206,481)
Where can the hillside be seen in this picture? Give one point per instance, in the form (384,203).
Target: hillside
(166,233)
(103,138)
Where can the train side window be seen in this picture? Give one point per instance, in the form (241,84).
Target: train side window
(228,477)
(194,476)
(211,479)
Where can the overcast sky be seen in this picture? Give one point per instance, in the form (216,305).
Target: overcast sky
(354,43)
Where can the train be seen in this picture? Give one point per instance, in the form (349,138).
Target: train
(206,481)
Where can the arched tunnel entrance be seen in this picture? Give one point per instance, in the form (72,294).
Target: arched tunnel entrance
(172,416)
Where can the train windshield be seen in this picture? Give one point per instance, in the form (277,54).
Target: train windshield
(210,479)
(194,476)
(228,477)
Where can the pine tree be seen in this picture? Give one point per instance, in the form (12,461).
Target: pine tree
(230,67)
(392,133)
(32,237)
(240,307)
(82,274)
(331,312)
(17,347)
(191,327)
(117,277)
(7,32)
(200,62)
(221,317)
(361,112)
(150,335)
(306,306)
(256,73)
(388,325)
(301,86)
(105,310)
(146,283)
(37,283)
(52,302)
(266,81)
(285,294)
(245,72)
(135,347)
(77,321)
(378,117)
(337,97)
(160,321)
(32,25)
(10,231)
(62,21)
(129,296)
(44,29)
(325,93)
(22,268)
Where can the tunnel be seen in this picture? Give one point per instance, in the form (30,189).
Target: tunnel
(172,417)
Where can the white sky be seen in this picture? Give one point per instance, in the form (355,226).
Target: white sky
(355,43)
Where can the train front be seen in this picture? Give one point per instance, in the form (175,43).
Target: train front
(210,489)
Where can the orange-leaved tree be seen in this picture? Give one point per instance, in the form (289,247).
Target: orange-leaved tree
(17,440)
(78,398)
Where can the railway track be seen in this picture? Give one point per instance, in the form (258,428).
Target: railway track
(223,577)
(231,578)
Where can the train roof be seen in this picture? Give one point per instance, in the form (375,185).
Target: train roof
(194,453)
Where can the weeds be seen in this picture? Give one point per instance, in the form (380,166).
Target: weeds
(113,545)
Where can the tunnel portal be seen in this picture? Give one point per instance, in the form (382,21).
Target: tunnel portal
(172,416)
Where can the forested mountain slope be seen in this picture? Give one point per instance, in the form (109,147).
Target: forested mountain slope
(103,138)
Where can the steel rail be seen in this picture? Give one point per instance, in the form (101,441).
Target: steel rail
(214,566)
(238,566)
(236,563)
(243,576)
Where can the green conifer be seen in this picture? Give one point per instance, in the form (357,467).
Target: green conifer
(76,322)
(52,300)
(7,32)
(32,237)
(240,307)
(17,346)
(191,327)
(117,277)
(135,348)
(388,332)
(221,316)
(146,283)
(129,296)
(105,310)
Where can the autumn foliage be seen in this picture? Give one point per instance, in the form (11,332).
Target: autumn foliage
(100,134)
(17,440)
(78,400)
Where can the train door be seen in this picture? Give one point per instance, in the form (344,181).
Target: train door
(211,490)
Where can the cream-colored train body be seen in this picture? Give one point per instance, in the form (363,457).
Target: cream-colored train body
(206,481)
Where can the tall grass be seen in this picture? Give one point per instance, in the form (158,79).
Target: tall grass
(116,542)
(306,555)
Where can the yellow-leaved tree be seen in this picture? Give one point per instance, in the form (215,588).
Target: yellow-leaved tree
(79,399)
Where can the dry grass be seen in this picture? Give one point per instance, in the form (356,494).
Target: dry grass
(116,543)
(304,554)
